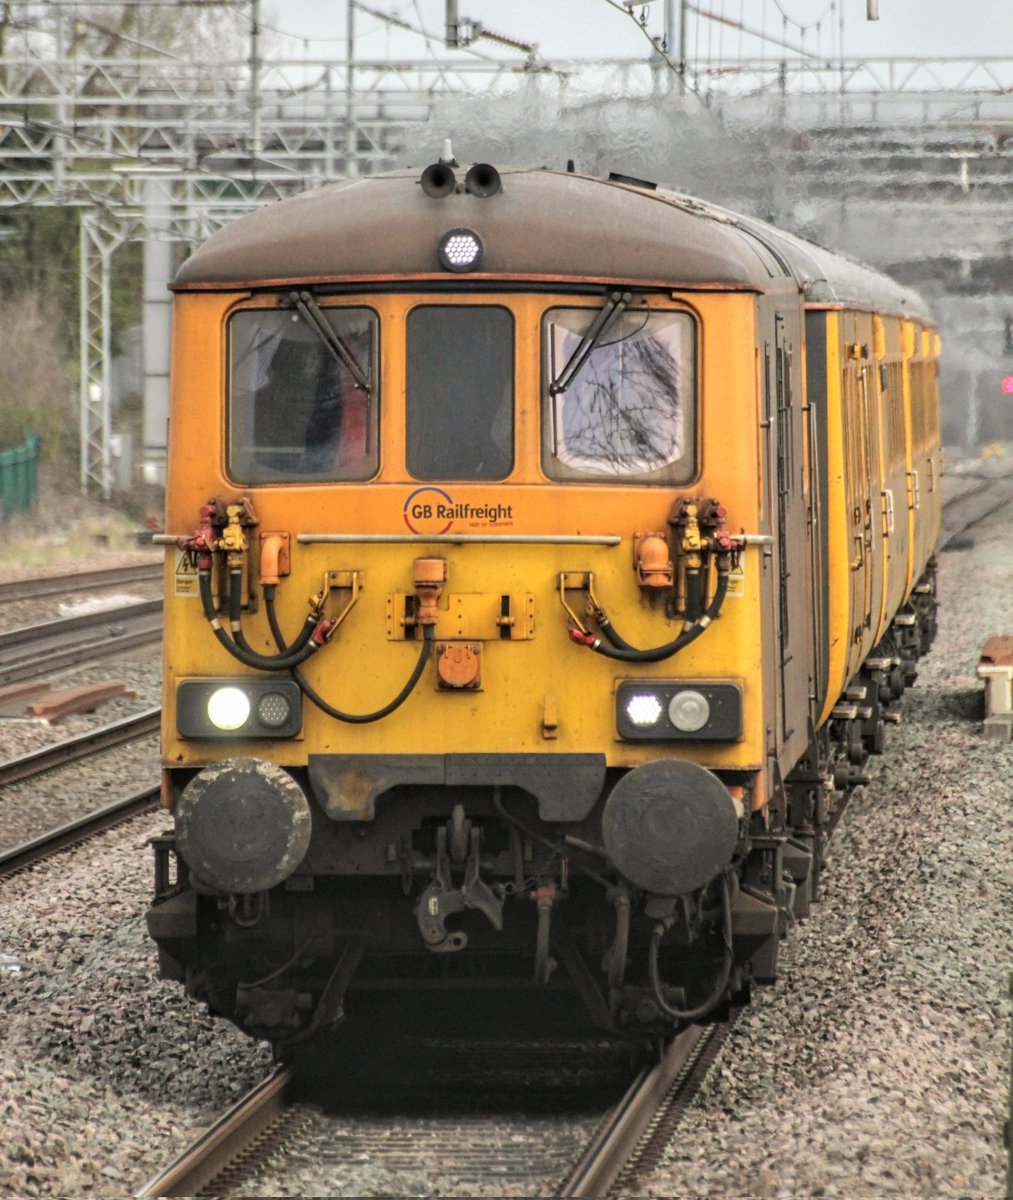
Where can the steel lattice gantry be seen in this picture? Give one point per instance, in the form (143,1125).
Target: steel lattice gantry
(153,147)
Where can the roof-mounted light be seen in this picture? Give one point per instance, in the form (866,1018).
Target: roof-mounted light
(461,250)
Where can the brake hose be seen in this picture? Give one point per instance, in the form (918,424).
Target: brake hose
(272,619)
(235,619)
(701,1010)
(615,646)
(428,634)
(248,658)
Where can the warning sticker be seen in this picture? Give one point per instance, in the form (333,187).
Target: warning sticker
(185,576)
(737,581)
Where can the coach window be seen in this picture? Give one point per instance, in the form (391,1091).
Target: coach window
(459,404)
(302,407)
(628,413)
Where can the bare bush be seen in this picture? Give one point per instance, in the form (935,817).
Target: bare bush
(36,394)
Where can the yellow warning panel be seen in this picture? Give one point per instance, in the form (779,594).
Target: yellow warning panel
(737,581)
(184,576)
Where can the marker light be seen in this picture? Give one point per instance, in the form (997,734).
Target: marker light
(689,711)
(461,250)
(643,710)
(274,709)
(228,708)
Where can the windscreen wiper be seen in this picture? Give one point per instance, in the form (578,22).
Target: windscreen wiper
(609,312)
(310,311)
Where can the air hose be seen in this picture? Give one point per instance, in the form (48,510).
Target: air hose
(701,1010)
(615,645)
(272,619)
(247,657)
(428,633)
(290,657)
(235,615)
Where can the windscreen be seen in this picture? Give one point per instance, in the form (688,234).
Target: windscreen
(628,413)
(302,407)
(459,415)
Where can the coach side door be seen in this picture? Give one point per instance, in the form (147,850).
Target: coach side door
(863,481)
(793,607)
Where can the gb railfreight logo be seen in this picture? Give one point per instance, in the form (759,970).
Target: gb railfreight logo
(431,510)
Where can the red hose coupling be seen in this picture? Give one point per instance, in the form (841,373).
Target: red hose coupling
(324,631)
(581,638)
(544,895)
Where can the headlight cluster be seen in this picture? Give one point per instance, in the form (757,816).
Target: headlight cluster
(656,709)
(254,708)
(461,250)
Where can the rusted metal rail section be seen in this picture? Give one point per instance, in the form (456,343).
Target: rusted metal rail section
(74,832)
(641,1124)
(33,650)
(79,581)
(129,729)
(207,1157)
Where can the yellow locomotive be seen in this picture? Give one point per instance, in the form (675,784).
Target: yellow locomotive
(544,554)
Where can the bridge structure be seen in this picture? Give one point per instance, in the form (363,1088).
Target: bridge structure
(150,147)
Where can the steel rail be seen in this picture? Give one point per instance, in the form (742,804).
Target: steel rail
(117,733)
(23,634)
(20,657)
(75,832)
(213,1150)
(78,581)
(617,1138)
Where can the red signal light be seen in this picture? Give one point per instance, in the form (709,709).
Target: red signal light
(1007,385)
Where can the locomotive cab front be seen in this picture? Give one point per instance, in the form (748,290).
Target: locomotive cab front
(474,652)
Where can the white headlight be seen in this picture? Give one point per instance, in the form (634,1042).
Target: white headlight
(689,711)
(461,250)
(228,708)
(644,709)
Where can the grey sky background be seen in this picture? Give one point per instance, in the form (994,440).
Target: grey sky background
(591,28)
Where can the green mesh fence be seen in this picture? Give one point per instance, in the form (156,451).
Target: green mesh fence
(19,477)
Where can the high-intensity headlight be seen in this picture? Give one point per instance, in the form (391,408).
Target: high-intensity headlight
(643,710)
(461,250)
(228,708)
(689,711)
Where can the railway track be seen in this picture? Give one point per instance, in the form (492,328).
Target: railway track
(118,733)
(234,1133)
(637,1130)
(39,586)
(31,651)
(27,854)
(271,1126)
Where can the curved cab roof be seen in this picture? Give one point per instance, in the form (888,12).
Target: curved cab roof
(543,224)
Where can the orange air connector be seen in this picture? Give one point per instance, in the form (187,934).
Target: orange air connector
(273,557)
(430,574)
(651,560)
